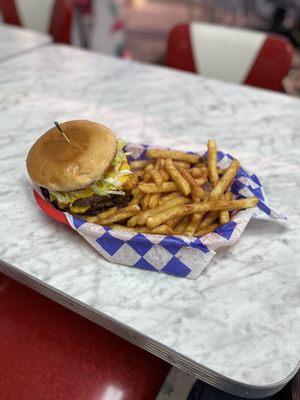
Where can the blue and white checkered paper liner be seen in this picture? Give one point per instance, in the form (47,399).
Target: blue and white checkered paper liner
(181,256)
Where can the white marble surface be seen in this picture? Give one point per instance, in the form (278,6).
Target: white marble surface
(15,40)
(241,318)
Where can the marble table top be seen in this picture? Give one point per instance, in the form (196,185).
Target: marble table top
(15,40)
(237,326)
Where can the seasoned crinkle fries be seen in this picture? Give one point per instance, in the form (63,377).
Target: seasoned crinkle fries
(176,193)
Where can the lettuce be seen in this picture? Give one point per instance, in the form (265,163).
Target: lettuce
(119,157)
(103,188)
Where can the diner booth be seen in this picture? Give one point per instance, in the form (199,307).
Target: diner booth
(149,207)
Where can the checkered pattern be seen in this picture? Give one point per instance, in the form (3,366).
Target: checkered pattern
(176,255)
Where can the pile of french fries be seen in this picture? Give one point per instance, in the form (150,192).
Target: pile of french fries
(176,193)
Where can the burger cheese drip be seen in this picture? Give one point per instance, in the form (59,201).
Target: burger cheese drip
(110,185)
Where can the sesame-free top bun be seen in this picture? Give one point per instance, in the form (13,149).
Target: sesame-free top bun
(58,165)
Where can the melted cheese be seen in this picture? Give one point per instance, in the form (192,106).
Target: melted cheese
(79,210)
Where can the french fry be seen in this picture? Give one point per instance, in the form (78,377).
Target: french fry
(138,195)
(153,188)
(197,192)
(225,181)
(132,221)
(145,202)
(147,177)
(149,167)
(142,229)
(196,172)
(214,179)
(215,205)
(103,214)
(180,228)
(209,218)
(157,164)
(162,230)
(122,214)
(164,206)
(169,213)
(212,163)
(222,171)
(172,222)
(205,174)
(165,176)
(206,230)
(163,173)
(203,169)
(139,164)
(224,215)
(90,218)
(175,155)
(107,213)
(195,220)
(201,181)
(212,205)
(154,200)
(201,165)
(181,164)
(177,177)
(193,224)
(170,196)
(194,198)
(132,181)
(156,176)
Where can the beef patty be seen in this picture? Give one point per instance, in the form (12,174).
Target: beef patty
(97,203)
(102,203)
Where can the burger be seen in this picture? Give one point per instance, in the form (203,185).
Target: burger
(81,167)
